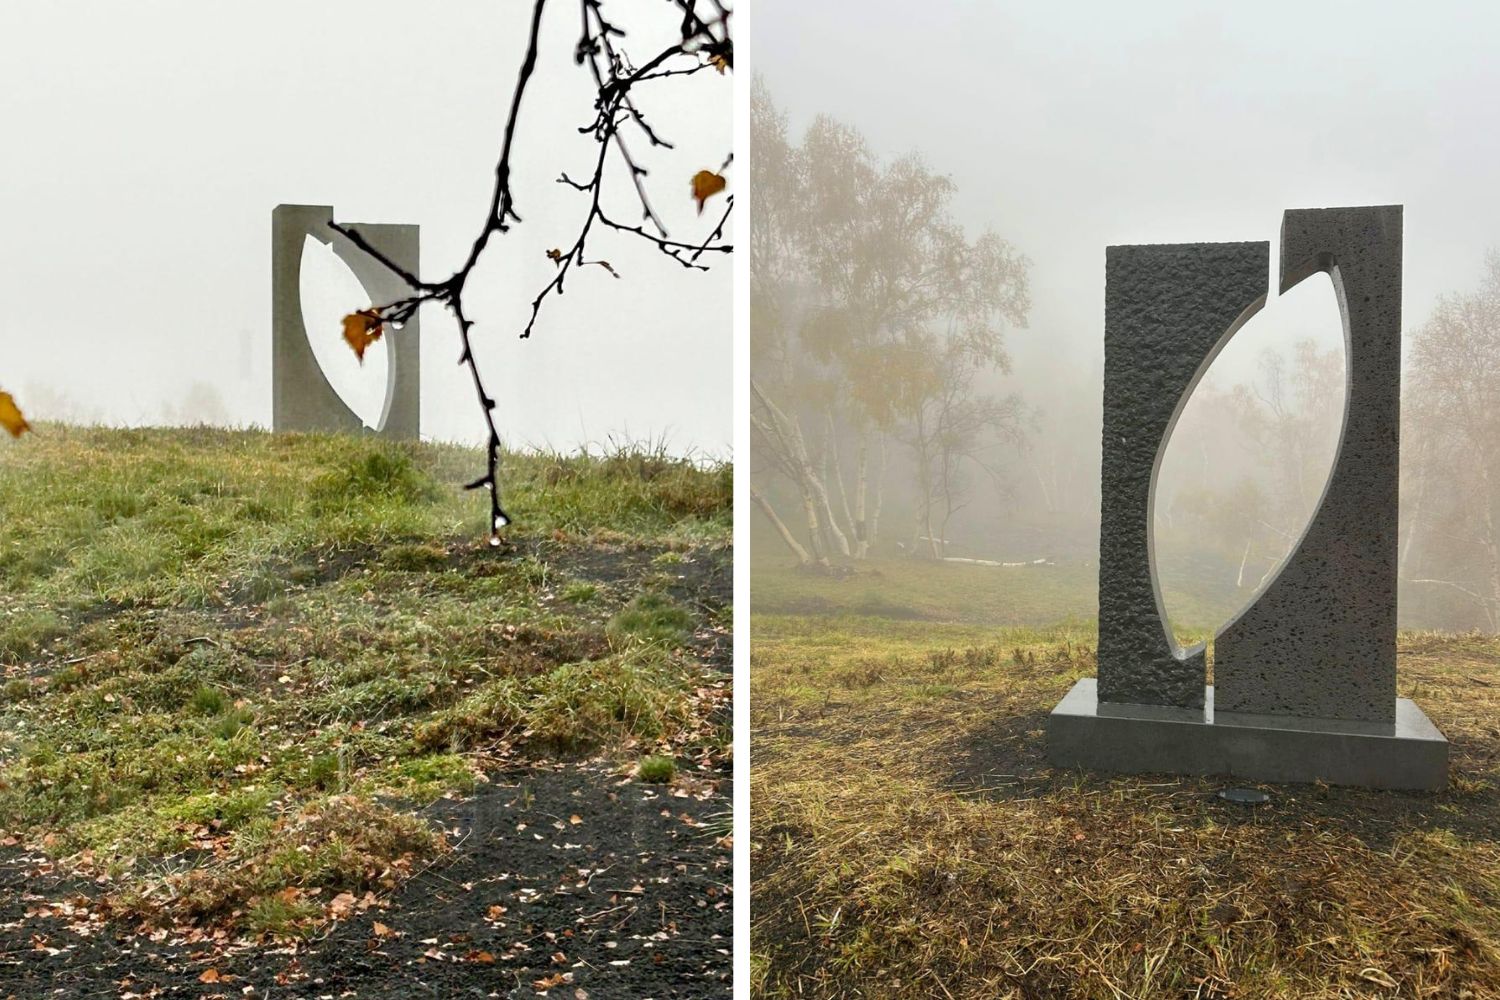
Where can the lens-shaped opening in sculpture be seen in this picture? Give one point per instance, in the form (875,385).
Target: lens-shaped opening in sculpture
(1246,462)
(330,291)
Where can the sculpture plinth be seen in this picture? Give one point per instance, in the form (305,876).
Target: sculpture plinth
(1306,674)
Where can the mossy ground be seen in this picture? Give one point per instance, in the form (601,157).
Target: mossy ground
(909,839)
(236,663)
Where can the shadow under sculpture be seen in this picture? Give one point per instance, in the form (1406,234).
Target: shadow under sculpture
(302,399)
(1306,674)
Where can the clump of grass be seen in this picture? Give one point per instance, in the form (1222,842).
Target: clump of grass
(325,771)
(233,722)
(652,617)
(16,689)
(633,489)
(383,472)
(573,707)
(416,558)
(339,844)
(227,810)
(209,701)
(283,915)
(26,630)
(580,592)
(657,770)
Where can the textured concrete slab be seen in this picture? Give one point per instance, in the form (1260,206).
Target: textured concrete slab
(1320,641)
(1408,752)
(1168,310)
(301,397)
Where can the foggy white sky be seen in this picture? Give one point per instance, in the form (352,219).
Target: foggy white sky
(1067,127)
(145,145)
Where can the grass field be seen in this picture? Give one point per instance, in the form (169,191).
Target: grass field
(236,664)
(909,840)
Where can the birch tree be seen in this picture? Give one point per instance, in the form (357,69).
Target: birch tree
(872,315)
(1453,409)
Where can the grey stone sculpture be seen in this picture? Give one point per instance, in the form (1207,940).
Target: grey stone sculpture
(301,397)
(1306,675)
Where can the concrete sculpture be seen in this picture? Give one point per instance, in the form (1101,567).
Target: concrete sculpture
(302,398)
(1305,676)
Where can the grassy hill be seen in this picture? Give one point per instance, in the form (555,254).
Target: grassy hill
(910,840)
(238,667)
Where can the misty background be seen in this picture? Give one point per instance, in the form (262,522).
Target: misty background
(905,418)
(146,145)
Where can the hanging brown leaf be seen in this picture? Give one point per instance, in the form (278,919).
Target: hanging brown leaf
(361,329)
(719,63)
(706,184)
(10,416)
(555,256)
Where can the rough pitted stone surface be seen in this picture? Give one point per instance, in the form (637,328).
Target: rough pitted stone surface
(1167,310)
(1320,642)
(301,397)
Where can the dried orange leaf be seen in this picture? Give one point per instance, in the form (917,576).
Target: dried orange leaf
(361,329)
(209,976)
(719,63)
(706,184)
(10,416)
(555,256)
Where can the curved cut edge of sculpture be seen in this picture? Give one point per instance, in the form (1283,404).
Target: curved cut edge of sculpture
(1199,649)
(339,245)
(1338,451)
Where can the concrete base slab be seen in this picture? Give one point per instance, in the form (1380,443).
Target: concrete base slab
(1410,753)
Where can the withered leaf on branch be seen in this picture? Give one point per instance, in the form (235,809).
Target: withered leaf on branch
(555,256)
(361,329)
(706,184)
(11,417)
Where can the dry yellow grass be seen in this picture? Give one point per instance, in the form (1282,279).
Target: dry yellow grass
(908,839)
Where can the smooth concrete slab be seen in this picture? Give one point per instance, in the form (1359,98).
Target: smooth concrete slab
(1408,753)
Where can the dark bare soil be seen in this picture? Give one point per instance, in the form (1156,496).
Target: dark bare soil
(631,900)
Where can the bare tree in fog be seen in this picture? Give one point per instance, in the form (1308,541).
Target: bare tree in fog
(779,378)
(1254,459)
(873,316)
(952,429)
(1453,408)
(1280,410)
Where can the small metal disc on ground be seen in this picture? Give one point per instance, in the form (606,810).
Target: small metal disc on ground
(1247,796)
